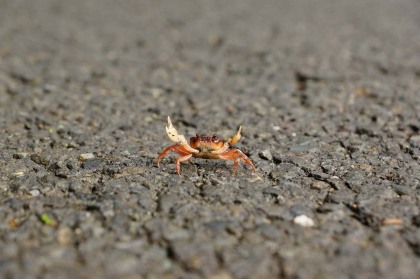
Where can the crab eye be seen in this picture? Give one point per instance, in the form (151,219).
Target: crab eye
(196,135)
(214,138)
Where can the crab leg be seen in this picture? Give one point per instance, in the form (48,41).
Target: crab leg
(234,155)
(178,162)
(175,148)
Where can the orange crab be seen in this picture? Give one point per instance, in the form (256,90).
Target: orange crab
(204,147)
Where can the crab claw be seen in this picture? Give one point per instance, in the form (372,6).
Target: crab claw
(171,131)
(234,140)
(180,139)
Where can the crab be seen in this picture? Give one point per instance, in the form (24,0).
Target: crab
(205,147)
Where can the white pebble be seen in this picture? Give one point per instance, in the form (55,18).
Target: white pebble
(86,156)
(304,221)
(18,174)
(266,154)
(34,193)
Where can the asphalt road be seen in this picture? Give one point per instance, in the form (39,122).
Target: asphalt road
(328,96)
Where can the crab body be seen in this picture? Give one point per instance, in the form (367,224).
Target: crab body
(205,147)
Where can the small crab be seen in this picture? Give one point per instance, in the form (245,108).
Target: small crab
(204,147)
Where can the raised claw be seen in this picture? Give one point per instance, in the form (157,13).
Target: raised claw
(172,132)
(179,139)
(234,140)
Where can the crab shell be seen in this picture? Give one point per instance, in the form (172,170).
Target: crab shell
(206,143)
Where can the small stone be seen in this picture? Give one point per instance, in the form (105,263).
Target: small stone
(55,166)
(303,148)
(126,153)
(330,207)
(135,245)
(173,233)
(392,221)
(49,88)
(34,193)
(64,236)
(156,92)
(18,174)
(215,40)
(401,190)
(272,191)
(415,140)
(304,221)
(276,175)
(75,186)
(86,156)
(273,211)
(269,231)
(217,226)
(146,202)
(99,154)
(166,202)
(98,231)
(319,185)
(72,145)
(20,155)
(40,160)
(260,109)
(111,170)
(340,196)
(92,164)
(70,165)
(266,155)
(221,275)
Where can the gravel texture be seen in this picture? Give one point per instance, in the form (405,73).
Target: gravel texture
(327,93)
